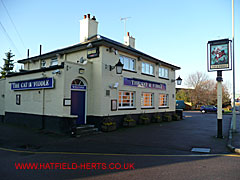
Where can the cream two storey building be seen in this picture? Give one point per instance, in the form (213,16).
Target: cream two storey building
(79,84)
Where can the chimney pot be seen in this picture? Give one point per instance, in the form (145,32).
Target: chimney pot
(85,16)
(40,49)
(94,18)
(88,16)
(127,33)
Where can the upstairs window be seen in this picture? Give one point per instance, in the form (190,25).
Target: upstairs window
(163,72)
(147,68)
(128,63)
(54,62)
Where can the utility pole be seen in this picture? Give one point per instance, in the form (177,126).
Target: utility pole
(125,19)
(234,106)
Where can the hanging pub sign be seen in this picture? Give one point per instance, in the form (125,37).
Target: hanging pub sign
(219,55)
(42,83)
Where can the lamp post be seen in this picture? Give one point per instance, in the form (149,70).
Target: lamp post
(219,104)
(234,106)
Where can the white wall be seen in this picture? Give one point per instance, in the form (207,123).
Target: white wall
(93,77)
(110,77)
(39,101)
(2,96)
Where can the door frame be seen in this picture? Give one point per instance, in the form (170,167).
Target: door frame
(84,90)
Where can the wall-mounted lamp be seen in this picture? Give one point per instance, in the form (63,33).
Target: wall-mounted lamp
(111,49)
(81,70)
(56,72)
(44,74)
(118,66)
(82,61)
(179,80)
(89,45)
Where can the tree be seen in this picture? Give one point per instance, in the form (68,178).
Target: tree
(203,91)
(183,94)
(226,100)
(8,64)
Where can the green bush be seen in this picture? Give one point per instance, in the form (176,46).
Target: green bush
(144,119)
(157,118)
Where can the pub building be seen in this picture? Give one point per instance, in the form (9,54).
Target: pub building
(84,83)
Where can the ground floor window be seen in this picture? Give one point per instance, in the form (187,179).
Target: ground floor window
(147,100)
(126,99)
(163,100)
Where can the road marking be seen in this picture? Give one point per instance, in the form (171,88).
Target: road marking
(112,154)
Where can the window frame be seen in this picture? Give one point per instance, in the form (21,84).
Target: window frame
(132,97)
(144,68)
(163,74)
(54,62)
(127,65)
(165,100)
(152,100)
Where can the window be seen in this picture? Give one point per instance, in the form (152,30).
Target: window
(54,62)
(128,63)
(163,100)
(126,99)
(163,72)
(147,68)
(43,64)
(147,100)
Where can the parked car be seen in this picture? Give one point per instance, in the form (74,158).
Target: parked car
(209,108)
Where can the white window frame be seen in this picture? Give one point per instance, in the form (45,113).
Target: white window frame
(54,62)
(147,68)
(163,72)
(131,99)
(165,100)
(128,63)
(151,100)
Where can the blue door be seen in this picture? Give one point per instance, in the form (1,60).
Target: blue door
(78,105)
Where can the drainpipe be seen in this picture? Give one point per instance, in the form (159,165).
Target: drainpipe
(43,109)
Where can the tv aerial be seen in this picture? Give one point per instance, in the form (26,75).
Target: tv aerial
(125,19)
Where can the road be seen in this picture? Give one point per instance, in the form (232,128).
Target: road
(142,156)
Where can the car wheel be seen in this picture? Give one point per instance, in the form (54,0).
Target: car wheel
(203,111)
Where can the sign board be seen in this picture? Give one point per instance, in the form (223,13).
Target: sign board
(79,87)
(219,55)
(92,53)
(144,84)
(42,83)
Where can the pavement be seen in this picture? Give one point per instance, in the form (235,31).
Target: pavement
(234,137)
(196,130)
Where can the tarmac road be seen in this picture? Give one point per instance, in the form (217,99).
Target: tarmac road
(156,151)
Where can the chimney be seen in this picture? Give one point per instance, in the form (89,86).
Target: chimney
(88,27)
(129,40)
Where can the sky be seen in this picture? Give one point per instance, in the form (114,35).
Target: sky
(174,31)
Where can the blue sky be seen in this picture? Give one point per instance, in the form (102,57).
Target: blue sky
(173,31)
